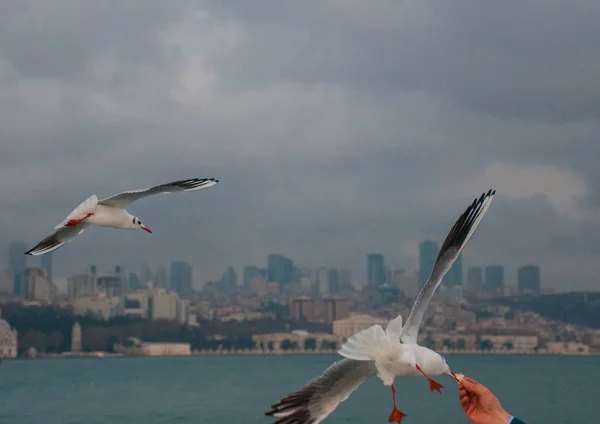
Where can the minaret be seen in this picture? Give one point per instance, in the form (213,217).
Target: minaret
(76,338)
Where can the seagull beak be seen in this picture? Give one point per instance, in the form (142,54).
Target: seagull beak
(146,229)
(451,374)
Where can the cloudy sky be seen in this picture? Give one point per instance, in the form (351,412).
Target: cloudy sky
(337,128)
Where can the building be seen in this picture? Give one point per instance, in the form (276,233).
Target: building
(250,272)
(280,269)
(166,349)
(162,304)
(38,286)
(133,281)
(428,251)
(346,280)
(135,304)
(494,279)
(6,283)
(528,280)
(375,270)
(475,279)
(8,340)
(228,282)
(181,278)
(161,279)
(46,264)
(347,327)
(333,281)
(98,304)
(76,338)
(17,263)
(567,348)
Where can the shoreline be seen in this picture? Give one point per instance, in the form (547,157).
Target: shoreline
(109,355)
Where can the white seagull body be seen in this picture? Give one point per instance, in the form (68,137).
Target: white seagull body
(387,354)
(111,212)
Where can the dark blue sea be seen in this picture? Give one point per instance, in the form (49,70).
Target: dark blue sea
(538,389)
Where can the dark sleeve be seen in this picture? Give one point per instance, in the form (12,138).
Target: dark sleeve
(515,420)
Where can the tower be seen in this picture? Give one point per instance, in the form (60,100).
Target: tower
(76,338)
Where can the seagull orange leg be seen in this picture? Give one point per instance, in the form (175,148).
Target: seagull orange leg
(433,385)
(396,416)
(76,222)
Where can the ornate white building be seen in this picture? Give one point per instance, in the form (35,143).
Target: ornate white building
(8,340)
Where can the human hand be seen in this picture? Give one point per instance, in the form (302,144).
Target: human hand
(480,404)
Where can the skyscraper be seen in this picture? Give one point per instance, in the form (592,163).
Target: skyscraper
(46,264)
(133,281)
(494,279)
(17,263)
(228,281)
(333,281)
(181,278)
(161,279)
(375,270)
(528,280)
(280,269)
(428,251)
(250,272)
(475,279)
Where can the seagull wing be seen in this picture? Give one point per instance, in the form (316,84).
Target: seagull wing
(121,200)
(455,241)
(316,400)
(57,239)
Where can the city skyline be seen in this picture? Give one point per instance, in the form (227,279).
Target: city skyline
(283,270)
(360,129)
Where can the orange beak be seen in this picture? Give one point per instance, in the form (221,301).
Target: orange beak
(146,229)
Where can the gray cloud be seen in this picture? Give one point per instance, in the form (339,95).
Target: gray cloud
(337,128)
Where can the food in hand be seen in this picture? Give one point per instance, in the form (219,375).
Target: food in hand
(460,377)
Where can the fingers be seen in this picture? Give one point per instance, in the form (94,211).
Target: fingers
(472,386)
(465,400)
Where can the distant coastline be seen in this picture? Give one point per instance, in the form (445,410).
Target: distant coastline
(106,355)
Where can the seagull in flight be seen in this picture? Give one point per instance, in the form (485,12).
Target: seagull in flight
(111,212)
(388,353)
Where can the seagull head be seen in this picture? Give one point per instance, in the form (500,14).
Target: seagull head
(138,225)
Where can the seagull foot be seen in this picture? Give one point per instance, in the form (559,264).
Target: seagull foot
(434,385)
(396,416)
(76,222)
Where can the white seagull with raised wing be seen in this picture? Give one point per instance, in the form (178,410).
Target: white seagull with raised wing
(387,354)
(111,212)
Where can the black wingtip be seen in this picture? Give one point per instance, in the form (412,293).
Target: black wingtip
(460,231)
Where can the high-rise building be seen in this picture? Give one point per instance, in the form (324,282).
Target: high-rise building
(228,281)
(280,269)
(475,279)
(428,251)
(133,281)
(161,278)
(375,270)
(250,272)
(346,279)
(145,275)
(38,286)
(454,277)
(333,281)
(528,280)
(46,264)
(494,279)
(181,278)
(17,263)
